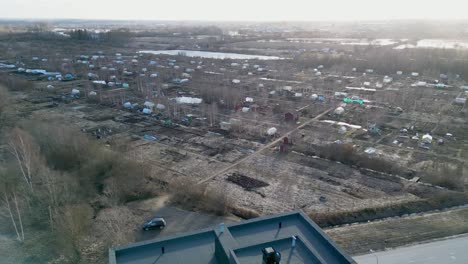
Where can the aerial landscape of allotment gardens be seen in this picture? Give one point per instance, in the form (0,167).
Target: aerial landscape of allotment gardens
(106,125)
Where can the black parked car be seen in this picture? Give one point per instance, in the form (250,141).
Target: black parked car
(155,223)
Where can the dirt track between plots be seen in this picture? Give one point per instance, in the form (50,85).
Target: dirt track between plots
(267,146)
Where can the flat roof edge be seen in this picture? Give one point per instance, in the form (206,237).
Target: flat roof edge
(326,237)
(264,218)
(112,256)
(228,245)
(161,239)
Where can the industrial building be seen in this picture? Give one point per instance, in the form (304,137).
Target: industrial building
(283,238)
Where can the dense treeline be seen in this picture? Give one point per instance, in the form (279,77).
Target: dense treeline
(53,183)
(182,31)
(54,179)
(116,35)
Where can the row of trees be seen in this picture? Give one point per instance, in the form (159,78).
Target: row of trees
(3,98)
(120,35)
(36,197)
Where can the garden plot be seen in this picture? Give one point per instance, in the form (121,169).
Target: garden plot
(295,185)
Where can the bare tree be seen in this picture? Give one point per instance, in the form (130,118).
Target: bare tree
(15,199)
(50,181)
(26,153)
(117,232)
(39,27)
(213,111)
(3,98)
(73,223)
(16,225)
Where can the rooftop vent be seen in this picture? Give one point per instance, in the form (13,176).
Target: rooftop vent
(271,256)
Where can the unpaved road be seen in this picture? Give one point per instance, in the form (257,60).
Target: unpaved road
(267,146)
(177,220)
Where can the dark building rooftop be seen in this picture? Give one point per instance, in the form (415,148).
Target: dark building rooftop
(239,243)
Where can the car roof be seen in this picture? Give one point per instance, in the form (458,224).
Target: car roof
(157,219)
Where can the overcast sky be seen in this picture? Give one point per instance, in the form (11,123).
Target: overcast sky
(237,10)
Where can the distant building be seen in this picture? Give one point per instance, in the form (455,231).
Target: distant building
(460,100)
(374,129)
(294,237)
(225,126)
(288,117)
(443,78)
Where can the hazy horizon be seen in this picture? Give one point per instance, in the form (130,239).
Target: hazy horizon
(241,10)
